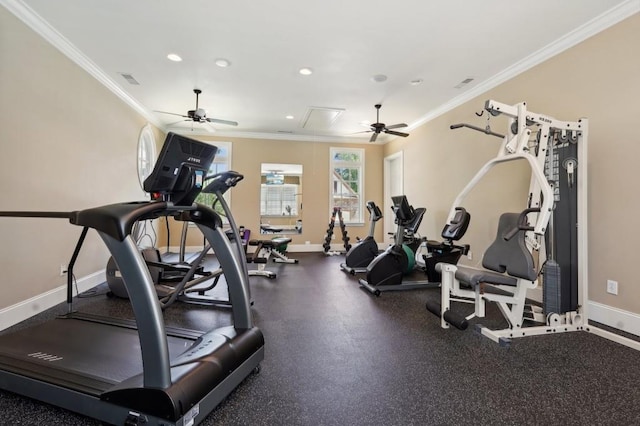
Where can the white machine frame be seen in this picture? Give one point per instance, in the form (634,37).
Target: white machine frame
(512,300)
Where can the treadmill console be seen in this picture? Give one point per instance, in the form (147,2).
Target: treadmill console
(179,173)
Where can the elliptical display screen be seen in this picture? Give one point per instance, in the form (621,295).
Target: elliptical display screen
(401,207)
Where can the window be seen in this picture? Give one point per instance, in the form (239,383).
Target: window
(279,200)
(347,183)
(221,163)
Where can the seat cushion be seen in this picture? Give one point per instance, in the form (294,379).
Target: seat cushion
(474,276)
(270,243)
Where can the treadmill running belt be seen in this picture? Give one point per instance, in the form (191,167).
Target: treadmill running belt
(80,352)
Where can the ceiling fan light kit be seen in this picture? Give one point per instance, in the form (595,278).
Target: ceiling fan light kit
(199,115)
(379,127)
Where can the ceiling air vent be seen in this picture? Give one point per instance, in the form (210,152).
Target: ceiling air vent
(464,83)
(129,78)
(320,118)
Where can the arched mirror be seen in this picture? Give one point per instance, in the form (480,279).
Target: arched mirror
(280,198)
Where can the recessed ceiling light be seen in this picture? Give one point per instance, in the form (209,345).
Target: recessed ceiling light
(222,63)
(289,117)
(306,71)
(173,57)
(379,78)
(416,82)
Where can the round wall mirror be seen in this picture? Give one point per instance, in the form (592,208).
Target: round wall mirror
(146,153)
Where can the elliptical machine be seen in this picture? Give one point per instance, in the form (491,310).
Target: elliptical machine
(388,268)
(186,287)
(363,253)
(387,271)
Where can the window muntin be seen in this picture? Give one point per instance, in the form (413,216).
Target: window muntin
(347,183)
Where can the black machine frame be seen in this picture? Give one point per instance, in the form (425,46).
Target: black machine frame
(157,375)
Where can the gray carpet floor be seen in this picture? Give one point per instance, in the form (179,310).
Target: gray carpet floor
(336,355)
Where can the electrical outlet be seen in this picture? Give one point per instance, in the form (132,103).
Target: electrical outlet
(470,255)
(63,269)
(612,287)
(333,236)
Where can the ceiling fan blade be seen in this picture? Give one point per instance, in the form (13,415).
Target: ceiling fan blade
(364,131)
(396,126)
(374,136)
(392,132)
(176,122)
(172,113)
(216,120)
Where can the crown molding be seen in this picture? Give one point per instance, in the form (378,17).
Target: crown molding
(596,25)
(34,21)
(589,29)
(268,136)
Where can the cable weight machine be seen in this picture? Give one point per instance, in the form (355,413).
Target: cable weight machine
(553,223)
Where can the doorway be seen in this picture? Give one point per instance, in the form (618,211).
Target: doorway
(393,185)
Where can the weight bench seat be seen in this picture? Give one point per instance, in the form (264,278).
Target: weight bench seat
(473,277)
(270,243)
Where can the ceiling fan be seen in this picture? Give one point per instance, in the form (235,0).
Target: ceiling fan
(379,127)
(199,115)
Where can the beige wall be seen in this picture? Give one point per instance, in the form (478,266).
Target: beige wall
(82,140)
(66,143)
(597,79)
(247,156)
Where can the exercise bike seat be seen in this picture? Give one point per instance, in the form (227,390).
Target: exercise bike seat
(451,232)
(414,222)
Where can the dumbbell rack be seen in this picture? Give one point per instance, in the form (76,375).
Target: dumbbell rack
(343,229)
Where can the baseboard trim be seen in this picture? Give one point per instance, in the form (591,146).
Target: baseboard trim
(294,248)
(21,311)
(614,317)
(11,315)
(305,248)
(608,315)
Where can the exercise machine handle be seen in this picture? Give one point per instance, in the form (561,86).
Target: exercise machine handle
(522,220)
(222,182)
(486,130)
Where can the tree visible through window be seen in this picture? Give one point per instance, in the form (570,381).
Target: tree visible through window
(221,163)
(347,182)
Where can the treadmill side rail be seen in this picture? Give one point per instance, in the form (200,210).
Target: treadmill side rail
(162,391)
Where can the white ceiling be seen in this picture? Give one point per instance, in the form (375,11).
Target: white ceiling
(345,42)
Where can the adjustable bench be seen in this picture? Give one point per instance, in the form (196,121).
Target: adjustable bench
(264,250)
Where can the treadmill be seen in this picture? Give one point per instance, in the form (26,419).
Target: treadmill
(140,372)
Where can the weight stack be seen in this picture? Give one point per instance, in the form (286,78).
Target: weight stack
(551,292)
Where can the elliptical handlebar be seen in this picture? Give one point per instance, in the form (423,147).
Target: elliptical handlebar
(374,211)
(221,182)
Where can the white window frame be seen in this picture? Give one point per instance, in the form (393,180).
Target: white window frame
(217,162)
(288,195)
(360,165)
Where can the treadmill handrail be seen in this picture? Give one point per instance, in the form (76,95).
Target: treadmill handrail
(114,223)
(146,307)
